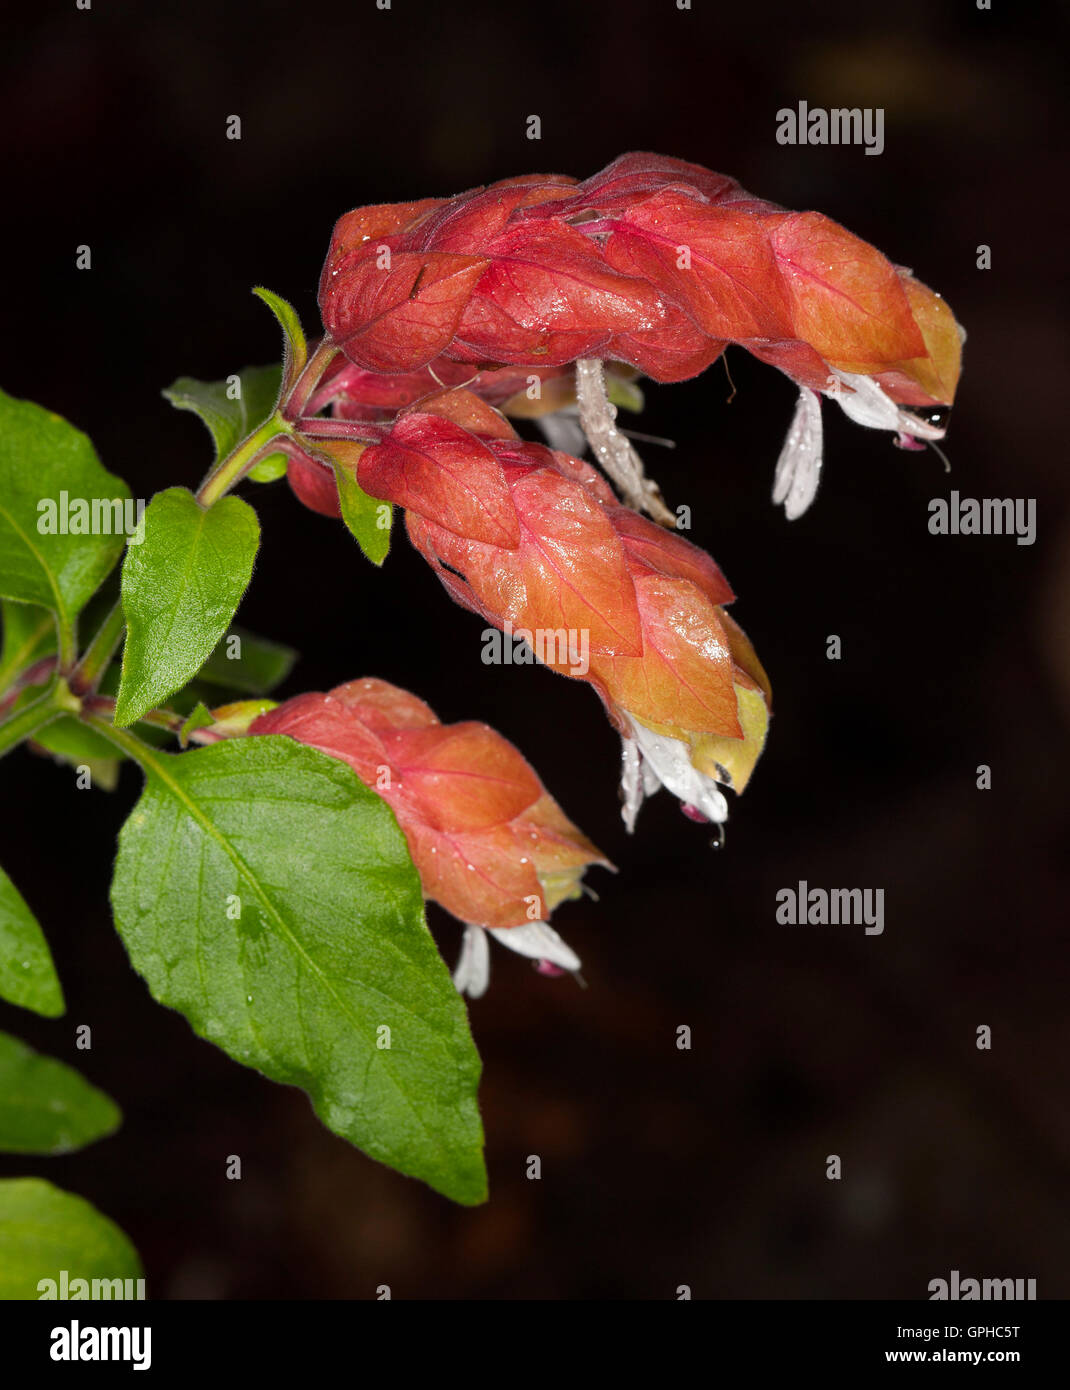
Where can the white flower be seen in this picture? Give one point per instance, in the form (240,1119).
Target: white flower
(536,940)
(562,430)
(798,469)
(863,400)
(650,761)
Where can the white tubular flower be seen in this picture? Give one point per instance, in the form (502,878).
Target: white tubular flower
(536,940)
(863,400)
(798,468)
(650,761)
(562,430)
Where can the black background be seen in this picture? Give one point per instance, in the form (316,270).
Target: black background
(660,1167)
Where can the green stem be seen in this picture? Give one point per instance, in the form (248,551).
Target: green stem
(229,471)
(162,719)
(97,707)
(292,407)
(67,641)
(56,701)
(40,673)
(86,675)
(101,705)
(130,744)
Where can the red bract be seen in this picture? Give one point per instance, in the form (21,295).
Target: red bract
(397,302)
(545,394)
(313,484)
(539,547)
(490,844)
(311,474)
(656,263)
(653,261)
(527,391)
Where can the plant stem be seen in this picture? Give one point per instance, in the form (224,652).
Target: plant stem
(55,702)
(12,672)
(229,471)
(299,394)
(363,431)
(94,662)
(169,719)
(40,673)
(67,641)
(130,744)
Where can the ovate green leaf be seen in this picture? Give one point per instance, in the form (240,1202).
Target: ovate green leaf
(231,409)
(27,976)
(181,588)
(62,516)
(44,1230)
(46,1107)
(266,893)
(248,664)
(369,520)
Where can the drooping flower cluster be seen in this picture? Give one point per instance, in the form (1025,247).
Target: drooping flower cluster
(543,297)
(490,844)
(534,540)
(653,262)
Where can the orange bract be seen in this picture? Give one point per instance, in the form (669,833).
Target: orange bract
(653,262)
(489,843)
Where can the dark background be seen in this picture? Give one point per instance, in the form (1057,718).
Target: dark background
(660,1167)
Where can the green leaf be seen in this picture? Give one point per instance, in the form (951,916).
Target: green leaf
(46,1107)
(623,392)
(200,717)
(70,739)
(252,665)
(362,515)
(29,633)
(27,975)
(44,1230)
(269,469)
(51,480)
(229,420)
(264,891)
(71,742)
(181,587)
(296,347)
